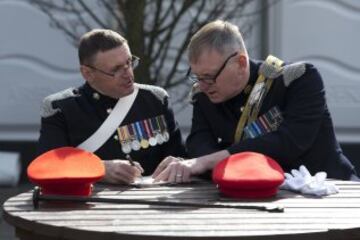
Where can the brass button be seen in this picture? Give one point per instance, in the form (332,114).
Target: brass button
(96,96)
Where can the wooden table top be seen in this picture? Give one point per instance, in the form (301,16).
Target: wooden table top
(331,217)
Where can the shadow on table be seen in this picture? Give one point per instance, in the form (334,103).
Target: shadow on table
(7,231)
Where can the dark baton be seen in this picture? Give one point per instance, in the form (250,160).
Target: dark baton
(37,197)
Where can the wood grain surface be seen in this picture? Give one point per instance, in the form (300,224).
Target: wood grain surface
(331,217)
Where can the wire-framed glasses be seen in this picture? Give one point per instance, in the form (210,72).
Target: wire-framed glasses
(132,62)
(212,79)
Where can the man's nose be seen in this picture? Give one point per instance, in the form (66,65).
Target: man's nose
(203,85)
(126,70)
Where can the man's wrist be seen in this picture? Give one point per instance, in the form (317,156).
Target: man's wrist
(209,161)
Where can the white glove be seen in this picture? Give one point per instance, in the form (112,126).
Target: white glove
(302,181)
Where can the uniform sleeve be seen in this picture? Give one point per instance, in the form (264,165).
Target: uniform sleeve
(303,114)
(175,145)
(52,133)
(201,140)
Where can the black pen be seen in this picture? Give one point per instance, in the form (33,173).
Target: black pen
(132,163)
(130,160)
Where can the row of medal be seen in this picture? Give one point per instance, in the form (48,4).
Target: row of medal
(143,133)
(266,123)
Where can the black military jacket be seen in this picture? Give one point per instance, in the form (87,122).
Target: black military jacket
(306,135)
(73,115)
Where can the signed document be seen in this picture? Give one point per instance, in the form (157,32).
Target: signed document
(147,181)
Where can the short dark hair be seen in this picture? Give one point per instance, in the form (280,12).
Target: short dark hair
(98,40)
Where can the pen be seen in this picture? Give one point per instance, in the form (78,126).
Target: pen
(130,160)
(128,157)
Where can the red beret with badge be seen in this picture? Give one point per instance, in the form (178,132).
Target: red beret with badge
(248,175)
(66,171)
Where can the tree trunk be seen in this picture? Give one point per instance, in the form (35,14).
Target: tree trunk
(134,20)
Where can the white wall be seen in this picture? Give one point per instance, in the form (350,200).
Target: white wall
(35,60)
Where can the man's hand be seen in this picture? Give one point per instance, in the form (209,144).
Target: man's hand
(176,170)
(121,171)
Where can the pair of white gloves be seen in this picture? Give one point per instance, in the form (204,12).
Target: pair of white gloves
(302,181)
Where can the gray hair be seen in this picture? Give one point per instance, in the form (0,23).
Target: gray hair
(219,35)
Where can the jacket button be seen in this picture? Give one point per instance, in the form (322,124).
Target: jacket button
(96,96)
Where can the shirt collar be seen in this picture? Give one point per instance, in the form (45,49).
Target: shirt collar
(97,96)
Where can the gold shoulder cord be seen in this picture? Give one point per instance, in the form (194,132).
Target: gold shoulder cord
(256,97)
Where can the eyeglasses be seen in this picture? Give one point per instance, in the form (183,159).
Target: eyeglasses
(209,80)
(132,62)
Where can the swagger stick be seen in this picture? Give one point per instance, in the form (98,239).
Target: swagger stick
(37,197)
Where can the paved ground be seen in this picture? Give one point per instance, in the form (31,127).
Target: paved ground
(7,231)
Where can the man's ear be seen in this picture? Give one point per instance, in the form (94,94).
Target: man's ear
(242,61)
(86,73)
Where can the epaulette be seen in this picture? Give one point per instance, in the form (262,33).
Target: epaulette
(159,92)
(293,71)
(47,109)
(195,89)
(271,68)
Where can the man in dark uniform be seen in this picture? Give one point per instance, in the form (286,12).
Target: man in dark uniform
(267,106)
(148,132)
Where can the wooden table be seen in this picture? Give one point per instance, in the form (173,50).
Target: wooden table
(332,217)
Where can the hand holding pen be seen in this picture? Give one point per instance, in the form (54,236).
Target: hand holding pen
(126,148)
(134,164)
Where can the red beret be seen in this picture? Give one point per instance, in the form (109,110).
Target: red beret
(66,171)
(248,175)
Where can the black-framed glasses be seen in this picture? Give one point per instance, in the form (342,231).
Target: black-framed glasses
(209,80)
(132,62)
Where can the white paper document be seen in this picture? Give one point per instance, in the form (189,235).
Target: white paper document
(147,181)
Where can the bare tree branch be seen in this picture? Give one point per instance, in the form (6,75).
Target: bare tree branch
(155,27)
(158,31)
(109,7)
(92,14)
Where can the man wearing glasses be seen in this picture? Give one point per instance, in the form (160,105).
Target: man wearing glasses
(130,126)
(243,105)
